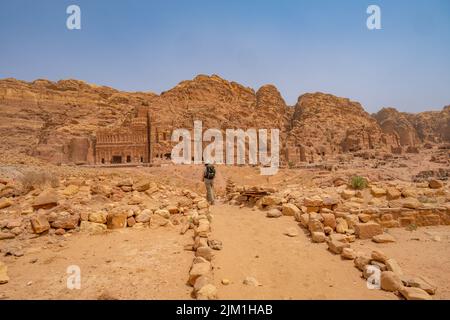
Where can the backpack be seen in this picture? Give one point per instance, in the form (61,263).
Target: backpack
(210,172)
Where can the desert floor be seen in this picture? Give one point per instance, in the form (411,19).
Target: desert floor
(151,263)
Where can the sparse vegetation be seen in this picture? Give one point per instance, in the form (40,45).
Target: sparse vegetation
(358,183)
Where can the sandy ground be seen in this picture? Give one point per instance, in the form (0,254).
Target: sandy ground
(295,268)
(151,263)
(126,264)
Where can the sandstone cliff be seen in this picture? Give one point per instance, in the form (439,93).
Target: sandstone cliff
(57,121)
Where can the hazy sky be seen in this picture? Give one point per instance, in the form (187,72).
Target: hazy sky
(299,46)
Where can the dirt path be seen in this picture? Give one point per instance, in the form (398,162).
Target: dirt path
(126,264)
(287,268)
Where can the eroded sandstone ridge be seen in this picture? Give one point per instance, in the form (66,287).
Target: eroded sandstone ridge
(415,129)
(73,122)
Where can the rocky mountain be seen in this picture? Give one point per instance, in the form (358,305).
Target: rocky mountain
(49,120)
(54,121)
(323,124)
(432,126)
(412,129)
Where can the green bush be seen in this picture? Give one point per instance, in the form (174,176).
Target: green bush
(358,182)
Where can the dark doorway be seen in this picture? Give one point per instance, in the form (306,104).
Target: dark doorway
(116,159)
(103,160)
(142,159)
(128,158)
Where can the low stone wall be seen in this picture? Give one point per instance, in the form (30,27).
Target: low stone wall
(403,217)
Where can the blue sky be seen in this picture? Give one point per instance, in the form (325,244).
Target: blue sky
(299,46)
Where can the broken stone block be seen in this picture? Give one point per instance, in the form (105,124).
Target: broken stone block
(117,220)
(290,209)
(92,227)
(348,253)
(318,237)
(198,270)
(383,238)
(361,261)
(410,293)
(40,224)
(392,265)
(379,256)
(47,199)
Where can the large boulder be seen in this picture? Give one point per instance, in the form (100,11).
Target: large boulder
(66,221)
(337,246)
(410,293)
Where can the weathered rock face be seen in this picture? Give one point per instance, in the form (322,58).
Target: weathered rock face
(57,121)
(393,122)
(323,124)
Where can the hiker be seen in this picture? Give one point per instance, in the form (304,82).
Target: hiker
(208,178)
